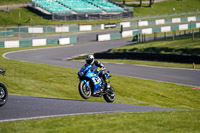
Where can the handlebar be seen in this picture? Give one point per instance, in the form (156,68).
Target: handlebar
(100,69)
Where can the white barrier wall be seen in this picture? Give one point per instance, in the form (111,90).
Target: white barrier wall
(39,42)
(127,33)
(191,19)
(147,31)
(160,21)
(11,44)
(62,29)
(197,25)
(143,23)
(176,20)
(166,29)
(63,41)
(85,27)
(183,27)
(35,30)
(125,24)
(105,37)
(130,33)
(102,26)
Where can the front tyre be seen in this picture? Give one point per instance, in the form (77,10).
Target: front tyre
(3,94)
(110,95)
(84,91)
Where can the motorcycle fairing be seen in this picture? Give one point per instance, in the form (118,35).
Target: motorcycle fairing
(96,80)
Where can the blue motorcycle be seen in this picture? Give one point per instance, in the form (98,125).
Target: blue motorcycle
(92,85)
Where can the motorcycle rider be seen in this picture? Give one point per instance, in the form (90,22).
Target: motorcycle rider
(91,61)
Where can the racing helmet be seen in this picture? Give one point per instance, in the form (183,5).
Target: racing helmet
(89,59)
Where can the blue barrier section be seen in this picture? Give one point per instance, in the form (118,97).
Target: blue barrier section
(51,41)
(25,43)
(1,44)
(73,40)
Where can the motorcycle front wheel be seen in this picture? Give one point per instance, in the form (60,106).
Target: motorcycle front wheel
(3,94)
(109,95)
(84,91)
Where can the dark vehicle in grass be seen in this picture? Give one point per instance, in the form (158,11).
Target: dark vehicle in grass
(3,91)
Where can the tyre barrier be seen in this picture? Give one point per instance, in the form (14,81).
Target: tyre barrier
(150,57)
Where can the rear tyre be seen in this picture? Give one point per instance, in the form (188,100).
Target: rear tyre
(3,94)
(110,95)
(84,91)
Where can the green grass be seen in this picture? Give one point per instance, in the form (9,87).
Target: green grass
(30,18)
(166,7)
(182,45)
(151,122)
(34,79)
(8,2)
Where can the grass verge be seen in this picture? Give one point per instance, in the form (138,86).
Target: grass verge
(181,45)
(42,80)
(152,63)
(7,2)
(30,18)
(151,122)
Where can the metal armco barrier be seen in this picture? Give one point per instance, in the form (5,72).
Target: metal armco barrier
(38,42)
(145,31)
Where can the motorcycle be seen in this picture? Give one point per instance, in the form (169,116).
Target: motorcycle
(3,91)
(92,85)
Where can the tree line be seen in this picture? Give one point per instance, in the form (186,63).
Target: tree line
(151,2)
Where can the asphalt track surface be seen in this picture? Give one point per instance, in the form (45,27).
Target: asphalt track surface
(24,108)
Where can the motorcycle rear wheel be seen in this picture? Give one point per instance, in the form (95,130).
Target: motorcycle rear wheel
(84,91)
(3,94)
(110,95)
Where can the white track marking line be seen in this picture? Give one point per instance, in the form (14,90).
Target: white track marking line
(18,51)
(62,115)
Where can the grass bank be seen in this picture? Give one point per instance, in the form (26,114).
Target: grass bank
(166,7)
(34,79)
(9,2)
(181,45)
(151,122)
(30,18)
